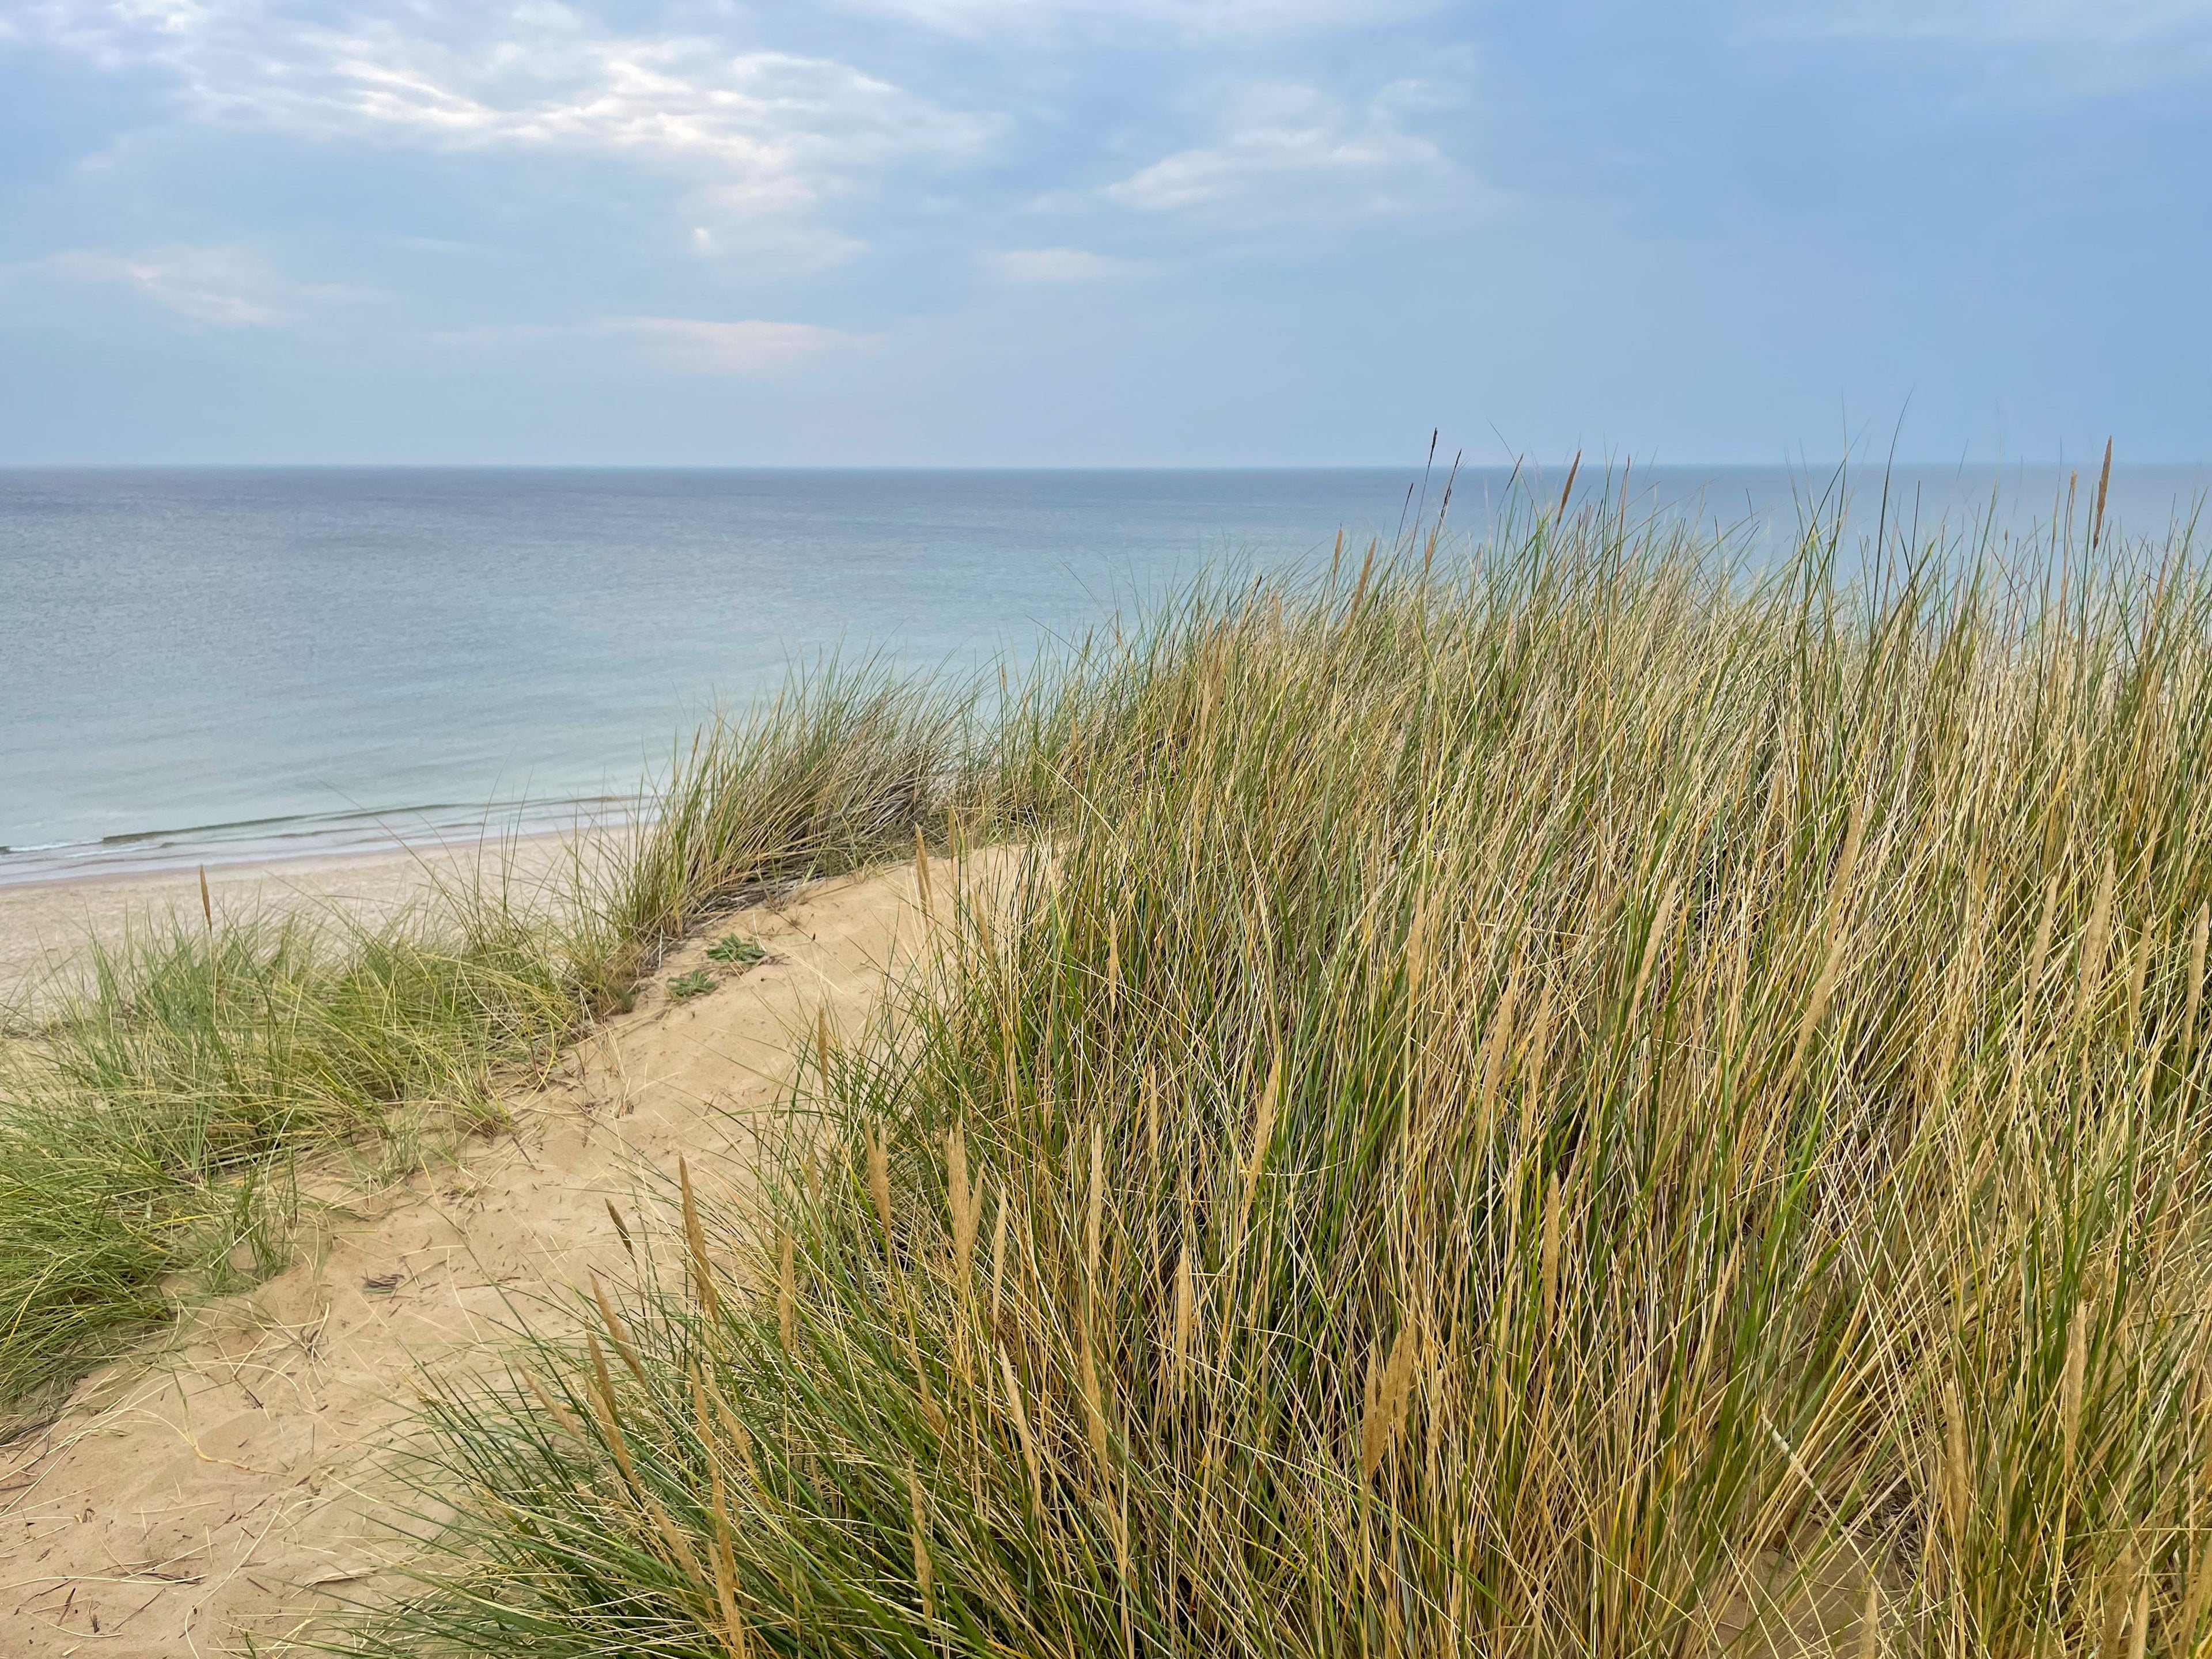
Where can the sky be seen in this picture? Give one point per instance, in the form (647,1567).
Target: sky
(1103,232)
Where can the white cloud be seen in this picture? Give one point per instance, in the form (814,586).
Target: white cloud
(760,134)
(229,287)
(744,239)
(1044,266)
(1200,19)
(1292,152)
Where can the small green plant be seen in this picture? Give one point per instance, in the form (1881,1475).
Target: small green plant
(696,983)
(734,948)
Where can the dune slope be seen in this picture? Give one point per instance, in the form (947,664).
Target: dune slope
(236,1478)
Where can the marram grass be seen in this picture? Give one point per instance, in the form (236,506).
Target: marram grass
(143,1132)
(1588,1104)
(148,1124)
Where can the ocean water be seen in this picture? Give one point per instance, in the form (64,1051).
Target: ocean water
(213,665)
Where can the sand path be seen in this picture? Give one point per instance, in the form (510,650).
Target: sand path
(234,1480)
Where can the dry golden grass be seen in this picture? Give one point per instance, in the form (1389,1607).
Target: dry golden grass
(1586,1105)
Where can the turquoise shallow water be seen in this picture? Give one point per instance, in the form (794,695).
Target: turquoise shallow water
(203,664)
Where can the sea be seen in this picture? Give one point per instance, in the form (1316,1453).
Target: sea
(216,665)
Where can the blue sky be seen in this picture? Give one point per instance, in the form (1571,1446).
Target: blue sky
(1085,232)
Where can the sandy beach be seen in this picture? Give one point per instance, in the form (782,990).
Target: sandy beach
(47,928)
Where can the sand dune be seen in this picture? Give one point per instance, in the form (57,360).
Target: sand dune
(234,1478)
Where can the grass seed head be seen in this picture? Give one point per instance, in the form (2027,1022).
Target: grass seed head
(695,1240)
(879,1184)
(1389,1392)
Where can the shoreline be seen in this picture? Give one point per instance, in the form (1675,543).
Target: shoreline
(254,843)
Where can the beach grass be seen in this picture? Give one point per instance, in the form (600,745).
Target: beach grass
(1586,1095)
(149,1124)
(144,1133)
(839,769)
(1603,1102)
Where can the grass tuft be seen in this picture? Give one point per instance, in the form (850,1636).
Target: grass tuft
(834,773)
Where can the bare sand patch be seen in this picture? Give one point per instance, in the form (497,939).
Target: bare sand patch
(236,1479)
